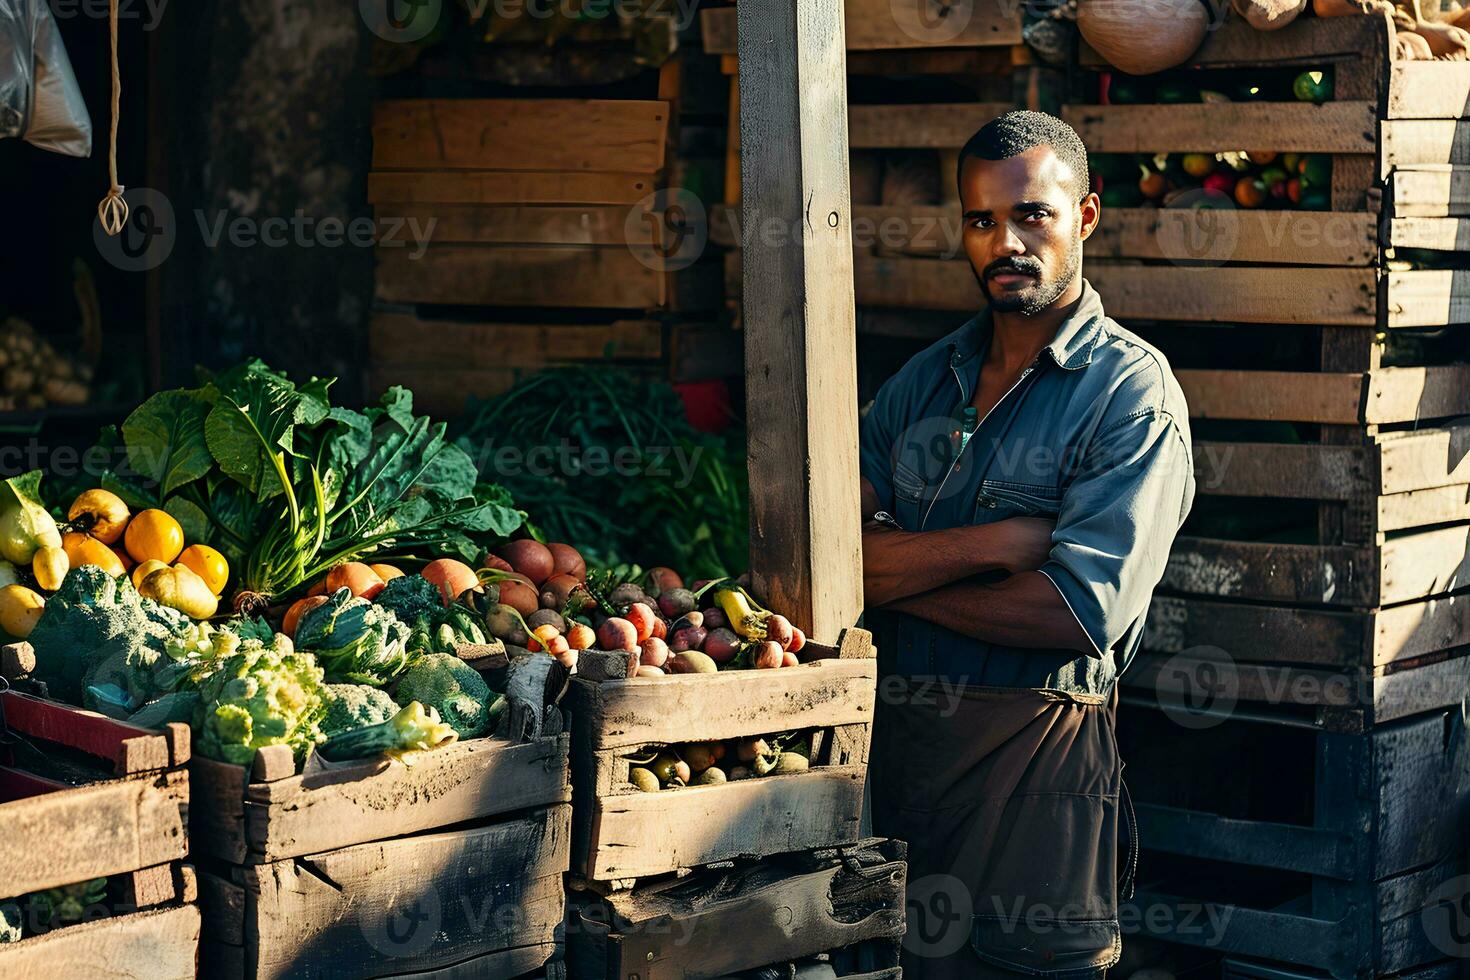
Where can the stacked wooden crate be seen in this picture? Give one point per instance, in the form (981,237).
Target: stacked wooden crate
(66,823)
(542,223)
(664,881)
(1309,646)
(376,868)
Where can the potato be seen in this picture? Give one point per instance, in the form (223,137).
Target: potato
(624,594)
(519,596)
(700,755)
(692,662)
(798,640)
(566,560)
(688,638)
(617,634)
(748,749)
(676,602)
(502,623)
(660,628)
(648,670)
(661,580)
(767,654)
(721,645)
(496,562)
(710,777)
(546,617)
(653,652)
(531,558)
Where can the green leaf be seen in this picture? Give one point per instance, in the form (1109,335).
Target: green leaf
(165,439)
(251,428)
(191,518)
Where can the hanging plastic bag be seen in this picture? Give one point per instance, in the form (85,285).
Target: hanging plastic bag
(39,97)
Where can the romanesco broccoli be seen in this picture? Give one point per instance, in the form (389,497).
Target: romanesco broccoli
(260,696)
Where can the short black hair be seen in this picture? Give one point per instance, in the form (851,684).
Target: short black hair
(1021,130)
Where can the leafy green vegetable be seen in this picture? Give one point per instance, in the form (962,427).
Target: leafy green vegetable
(165,439)
(412,730)
(260,696)
(70,903)
(432,628)
(354,640)
(351,706)
(447,683)
(97,631)
(178,706)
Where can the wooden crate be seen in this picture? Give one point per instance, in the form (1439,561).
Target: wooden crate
(892,25)
(1323,858)
(160,944)
(788,907)
(480,901)
(272,812)
(59,833)
(621,834)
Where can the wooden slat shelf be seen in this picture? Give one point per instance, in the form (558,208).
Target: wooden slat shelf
(893,24)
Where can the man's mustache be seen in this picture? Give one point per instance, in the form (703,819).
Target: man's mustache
(1029,268)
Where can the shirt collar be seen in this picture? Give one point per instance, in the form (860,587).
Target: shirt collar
(1072,347)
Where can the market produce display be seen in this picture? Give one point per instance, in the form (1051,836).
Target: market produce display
(34,374)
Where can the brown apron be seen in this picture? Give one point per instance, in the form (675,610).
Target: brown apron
(1009,800)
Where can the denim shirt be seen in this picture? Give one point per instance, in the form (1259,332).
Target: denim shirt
(1094,436)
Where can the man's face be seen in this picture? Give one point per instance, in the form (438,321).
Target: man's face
(1024,228)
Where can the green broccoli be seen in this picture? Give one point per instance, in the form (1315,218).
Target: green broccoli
(97,630)
(352,706)
(434,629)
(445,682)
(411,598)
(412,730)
(260,696)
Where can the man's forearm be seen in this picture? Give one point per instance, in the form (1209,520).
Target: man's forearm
(905,563)
(1025,610)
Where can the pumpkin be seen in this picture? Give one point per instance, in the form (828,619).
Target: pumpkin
(1141,37)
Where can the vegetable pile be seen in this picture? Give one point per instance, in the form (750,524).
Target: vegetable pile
(713,763)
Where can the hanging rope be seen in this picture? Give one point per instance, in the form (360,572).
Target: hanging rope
(113,211)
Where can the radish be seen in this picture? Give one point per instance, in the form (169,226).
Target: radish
(617,634)
(721,645)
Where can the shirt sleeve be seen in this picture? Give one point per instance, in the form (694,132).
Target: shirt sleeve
(1117,523)
(876,444)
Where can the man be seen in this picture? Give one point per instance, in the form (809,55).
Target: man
(1023,480)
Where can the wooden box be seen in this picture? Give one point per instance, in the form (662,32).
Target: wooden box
(71,825)
(1328,857)
(484,901)
(273,812)
(722,921)
(621,834)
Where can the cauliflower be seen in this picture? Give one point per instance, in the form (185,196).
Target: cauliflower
(97,630)
(352,706)
(259,696)
(354,640)
(445,682)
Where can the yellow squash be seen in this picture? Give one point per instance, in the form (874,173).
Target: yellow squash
(154,534)
(208,564)
(19,610)
(144,569)
(181,589)
(49,567)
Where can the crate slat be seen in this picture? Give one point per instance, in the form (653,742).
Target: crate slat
(406,340)
(422,187)
(892,24)
(511,275)
(1430,192)
(1302,127)
(1415,142)
(159,945)
(1385,396)
(520,134)
(1344,297)
(1331,238)
(540,224)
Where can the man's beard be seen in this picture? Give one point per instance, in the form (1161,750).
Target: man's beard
(1037,297)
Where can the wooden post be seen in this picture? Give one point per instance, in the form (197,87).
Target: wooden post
(800,341)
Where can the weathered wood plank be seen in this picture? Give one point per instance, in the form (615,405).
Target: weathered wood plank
(1266,634)
(1428,297)
(1291,395)
(881,24)
(1415,142)
(1326,574)
(155,945)
(425,187)
(653,833)
(406,340)
(1258,843)
(800,344)
(509,275)
(483,890)
(1430,192)
(1420,508)
(563,224)
(520,134)
(1436,234)
(1428,90)
(1264,469)
(111,827)
(1332,238)
(730,704)
(1425,458)
(1409,394)
(1344,297)
(222,904)
(1425,564)
(1307,41)
(1332,127)
(130,749)
(926,126)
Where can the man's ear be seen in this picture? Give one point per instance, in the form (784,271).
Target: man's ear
(1091,214)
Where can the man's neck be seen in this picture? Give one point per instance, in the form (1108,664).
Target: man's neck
(1016,339)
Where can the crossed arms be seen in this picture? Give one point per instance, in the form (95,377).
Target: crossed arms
(929,574)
